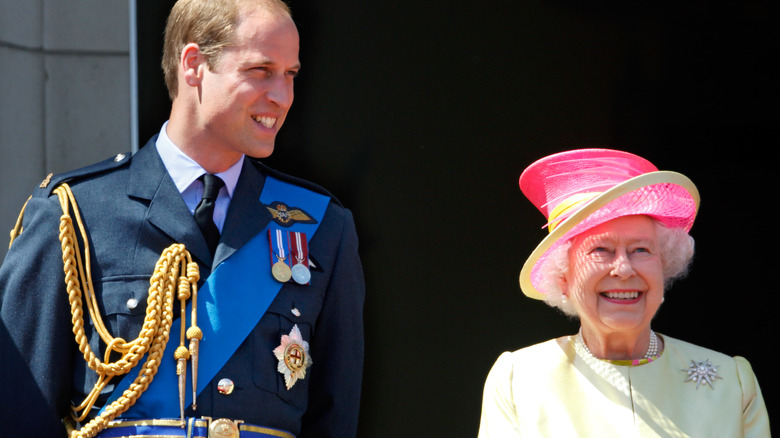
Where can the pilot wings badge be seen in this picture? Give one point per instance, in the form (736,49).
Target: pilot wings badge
(287,216)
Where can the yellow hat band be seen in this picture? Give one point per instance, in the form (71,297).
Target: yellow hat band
(567,206)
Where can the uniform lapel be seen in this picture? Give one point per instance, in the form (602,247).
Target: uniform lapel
(246,216)
(149,180)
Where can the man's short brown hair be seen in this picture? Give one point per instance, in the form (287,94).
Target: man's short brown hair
(211,24)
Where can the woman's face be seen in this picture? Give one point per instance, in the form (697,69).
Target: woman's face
(615,277)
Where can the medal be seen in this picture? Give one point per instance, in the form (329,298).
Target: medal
(300,252)
(300,274)
(281,271)
(289,256)
(278,242)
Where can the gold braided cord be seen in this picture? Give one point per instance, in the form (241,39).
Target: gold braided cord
(17,229)
(175,276)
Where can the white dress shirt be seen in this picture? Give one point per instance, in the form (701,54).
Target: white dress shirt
(185,173)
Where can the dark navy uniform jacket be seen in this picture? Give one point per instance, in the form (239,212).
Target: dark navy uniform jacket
(132,211)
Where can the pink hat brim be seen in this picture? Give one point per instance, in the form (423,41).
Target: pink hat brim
(668,197)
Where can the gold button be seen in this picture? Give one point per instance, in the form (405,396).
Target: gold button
(223,428)
(225,386)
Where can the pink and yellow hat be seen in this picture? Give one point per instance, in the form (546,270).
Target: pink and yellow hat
(580,189)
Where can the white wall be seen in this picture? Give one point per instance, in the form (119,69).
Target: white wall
(64,92)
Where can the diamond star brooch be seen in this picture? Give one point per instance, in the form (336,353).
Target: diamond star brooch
(702,372)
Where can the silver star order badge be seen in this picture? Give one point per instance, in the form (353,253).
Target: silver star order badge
(293,355)
(702,372)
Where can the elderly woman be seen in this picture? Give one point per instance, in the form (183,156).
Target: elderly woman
(618,236)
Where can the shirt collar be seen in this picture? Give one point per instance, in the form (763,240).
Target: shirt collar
(184,170)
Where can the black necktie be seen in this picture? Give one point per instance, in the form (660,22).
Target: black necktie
(204,212)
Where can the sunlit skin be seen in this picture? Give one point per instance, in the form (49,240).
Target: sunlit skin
(615,282)
(239,106)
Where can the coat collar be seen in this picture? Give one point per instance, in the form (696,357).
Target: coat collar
(246,215)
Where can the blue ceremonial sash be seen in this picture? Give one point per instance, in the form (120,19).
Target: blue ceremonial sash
(230,304)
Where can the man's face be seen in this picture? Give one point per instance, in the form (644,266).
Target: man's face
(243,102)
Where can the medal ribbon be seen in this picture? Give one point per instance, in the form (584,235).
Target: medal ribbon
(300,251)
(231,302)
(280,244)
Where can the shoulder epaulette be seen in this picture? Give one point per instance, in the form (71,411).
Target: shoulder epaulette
(52,181)
(294,180)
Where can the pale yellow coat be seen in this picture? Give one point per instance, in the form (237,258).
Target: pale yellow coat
(556,389)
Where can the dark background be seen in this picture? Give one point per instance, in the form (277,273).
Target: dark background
(421,115)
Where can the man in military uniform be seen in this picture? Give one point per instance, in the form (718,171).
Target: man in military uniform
(93,343)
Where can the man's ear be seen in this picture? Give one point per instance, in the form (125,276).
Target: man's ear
(192,64)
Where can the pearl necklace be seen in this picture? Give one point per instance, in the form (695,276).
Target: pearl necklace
(652,349)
